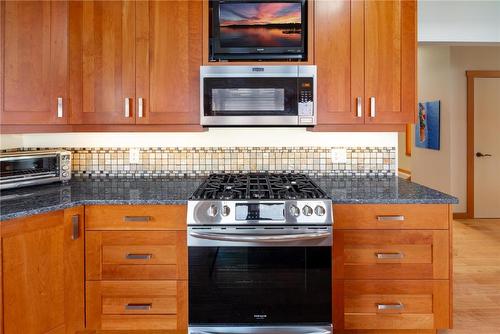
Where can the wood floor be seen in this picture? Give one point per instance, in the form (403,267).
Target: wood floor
(476,277)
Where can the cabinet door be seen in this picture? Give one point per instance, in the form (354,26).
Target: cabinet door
(390,61)
(168,61)
(43,273)
(339,60)
(34,62)
(102,62)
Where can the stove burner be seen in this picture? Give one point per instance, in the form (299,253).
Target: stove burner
(258,186)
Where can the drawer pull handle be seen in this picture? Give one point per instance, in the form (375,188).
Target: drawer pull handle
(396,255)
(137,218)
(143,307)
(390,218)
(395,306)
(139,256)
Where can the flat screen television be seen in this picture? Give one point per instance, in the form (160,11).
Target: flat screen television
(259,29)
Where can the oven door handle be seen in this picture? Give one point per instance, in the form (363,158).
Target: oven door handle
(261,238)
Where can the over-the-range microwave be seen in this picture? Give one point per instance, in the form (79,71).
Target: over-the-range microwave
(258,95)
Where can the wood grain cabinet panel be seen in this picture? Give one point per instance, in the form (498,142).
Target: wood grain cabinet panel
(34,62)
(102,51)
(129,305)
(136,255)
(43,280)
(392,305)
(366,59)
(136,217)
(391,216)
(391,254)
(169,43)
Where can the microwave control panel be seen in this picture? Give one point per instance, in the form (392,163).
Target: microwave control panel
(305,100)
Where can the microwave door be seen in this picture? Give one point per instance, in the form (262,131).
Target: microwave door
(250,101)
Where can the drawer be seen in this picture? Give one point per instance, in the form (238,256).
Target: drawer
(128,305)
(391,216)
(391,304)
(135,217)
(135,255)
(391,254)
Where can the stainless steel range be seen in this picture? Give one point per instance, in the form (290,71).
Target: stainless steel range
(259,255)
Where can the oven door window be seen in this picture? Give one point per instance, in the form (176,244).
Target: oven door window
(33,167)
(259,285)
(250,97)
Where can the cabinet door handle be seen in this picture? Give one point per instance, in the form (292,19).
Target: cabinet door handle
(136,218)
(59,107)
(140,107)
(395,306)
(390,218)
(372,107)
(133,306)
(385,256)
(359,110)
(127,107)
(131,256)
(75,227)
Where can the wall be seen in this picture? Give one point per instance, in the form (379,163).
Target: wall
(459,21)
(441,75)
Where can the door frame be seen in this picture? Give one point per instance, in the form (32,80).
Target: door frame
(471,75)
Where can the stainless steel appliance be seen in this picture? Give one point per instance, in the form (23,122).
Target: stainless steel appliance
(260,258)
(258,95)
(27,168)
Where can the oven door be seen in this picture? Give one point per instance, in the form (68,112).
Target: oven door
(250,101)
(247,280)
(29,169)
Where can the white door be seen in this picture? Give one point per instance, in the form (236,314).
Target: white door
(487,147)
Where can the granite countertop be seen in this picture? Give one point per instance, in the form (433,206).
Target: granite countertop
(28,201)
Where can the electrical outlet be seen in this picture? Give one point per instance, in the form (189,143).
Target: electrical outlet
(339,155)
(134,155)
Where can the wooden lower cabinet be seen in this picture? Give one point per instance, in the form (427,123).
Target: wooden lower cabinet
(388,304)
(129,305)
(43,273)
(136,267)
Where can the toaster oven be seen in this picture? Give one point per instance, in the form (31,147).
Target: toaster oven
(27,168)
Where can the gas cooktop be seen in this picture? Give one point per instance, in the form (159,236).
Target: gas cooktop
(257,186)
(259,199)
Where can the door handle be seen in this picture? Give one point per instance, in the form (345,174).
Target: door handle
(75,227)
(127,107)
(359,110)
(385,256)
(395,306)
(143,307)
(481,155)
(372,107)
(260,238)
(131,256)
(59,107)
(140,107)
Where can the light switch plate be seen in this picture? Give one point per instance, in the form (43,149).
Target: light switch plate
(339,155)
(134,155)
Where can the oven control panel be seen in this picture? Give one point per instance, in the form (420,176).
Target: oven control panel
(262,212)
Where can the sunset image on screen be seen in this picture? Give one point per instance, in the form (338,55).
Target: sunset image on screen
(260,24)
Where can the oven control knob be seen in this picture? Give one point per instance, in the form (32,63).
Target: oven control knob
(307,210)
(212,211)
(294,211)
(319,210)
(225,211)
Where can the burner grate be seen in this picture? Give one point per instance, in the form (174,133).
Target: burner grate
(258,186)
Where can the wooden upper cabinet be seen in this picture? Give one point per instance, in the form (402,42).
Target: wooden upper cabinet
(390,61)
(339,61)
(169,43)
(34,62)
(366,59)
(43,273)
(102,62)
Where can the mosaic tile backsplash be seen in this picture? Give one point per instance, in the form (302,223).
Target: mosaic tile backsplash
(154,162)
